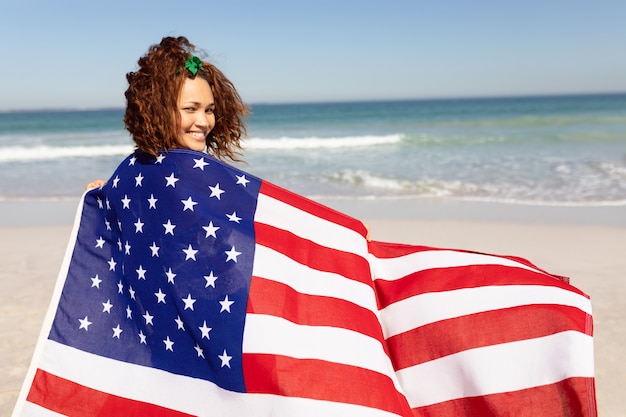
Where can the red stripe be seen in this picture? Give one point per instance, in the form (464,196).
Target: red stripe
(69,398)
(446,337)
(280,300)
(312,207)
(317,379)
(459,277)
(571,397)
(313,255)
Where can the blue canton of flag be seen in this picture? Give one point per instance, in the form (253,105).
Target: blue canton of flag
(180,305)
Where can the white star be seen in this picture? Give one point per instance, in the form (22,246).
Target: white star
(131,292)
(120,288)
(233,217)
(171,180)
(199,350)
(95,282)
(117,331)
(210,230)
(127,248)
(100,243)
(84,324)
(160,296)
(119,244)
(142,337)
(216,192)
(112,264)
(138,180)
(100,203)
(204,329)
(188,302)
(119,225)
(189,203)
(160,158)
(155,249)
(132,160)
(225,359)
(152,201)
(129,313)
(232,255)
(226,303)
(169,227)
(200,163)
(115,181)
(242,180)
(148,318)
(169,345)
(190,252)
(210,280)
(126,202)
(108,203)
(179,323)
(141,273)
(107,307)
(139,226)
(170,275)
(108,224)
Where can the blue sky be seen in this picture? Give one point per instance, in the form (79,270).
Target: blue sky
(75,53)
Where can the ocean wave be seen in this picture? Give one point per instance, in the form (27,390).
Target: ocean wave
(290,143)
(40,153)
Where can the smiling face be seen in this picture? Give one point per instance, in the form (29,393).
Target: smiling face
(196,108)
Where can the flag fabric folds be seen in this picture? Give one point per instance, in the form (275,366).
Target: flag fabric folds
(192,288)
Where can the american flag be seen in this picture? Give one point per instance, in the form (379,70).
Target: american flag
(192,288)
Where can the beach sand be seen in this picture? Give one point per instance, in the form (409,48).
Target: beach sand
(586,244)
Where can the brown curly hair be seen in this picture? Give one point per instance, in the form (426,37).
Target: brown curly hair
(152,95)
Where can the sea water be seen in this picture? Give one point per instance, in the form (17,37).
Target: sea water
(565,150)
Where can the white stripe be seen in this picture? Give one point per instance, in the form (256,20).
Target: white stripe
(323,232)
(188,395)
(500,368)
(428,308)
(390,269)
(275,266)
(275,335)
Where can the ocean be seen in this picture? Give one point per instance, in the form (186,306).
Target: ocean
(560,150)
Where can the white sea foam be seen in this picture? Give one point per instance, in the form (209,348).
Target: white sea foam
(289,143)
(39,153)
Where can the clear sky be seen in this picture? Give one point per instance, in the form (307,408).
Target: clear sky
(75,53)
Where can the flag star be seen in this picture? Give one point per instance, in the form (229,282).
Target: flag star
(131,292)
(138,226)
(170,275)
(179,323)
(232,255)
(126,202)
(189,203)
(226,303)
(169,227)
(115,181)
(190,253)
(138,180)
(100,243)
(155,249)
(132,160)
(84,324)
(210,230)
(120,288)
(119,225)
(210,280)
(160,296)
(199,350)
(95,282)
(129,313)
(142,337)
(160,158)
(108,203)
(188,302)
(148,318)
(119,244)
(204,329)
(225,359)
(106,307)
(200,163)
(107,224)
(233,217)
(100,203)
(112,264)
(171,180)
(169,345)
(242,180)
(216,191)
(141,273)
(152,201)
(117,331)
(127,248)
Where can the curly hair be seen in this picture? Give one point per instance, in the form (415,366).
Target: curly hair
(152,95)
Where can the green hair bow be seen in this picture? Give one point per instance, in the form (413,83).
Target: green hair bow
(193,64)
